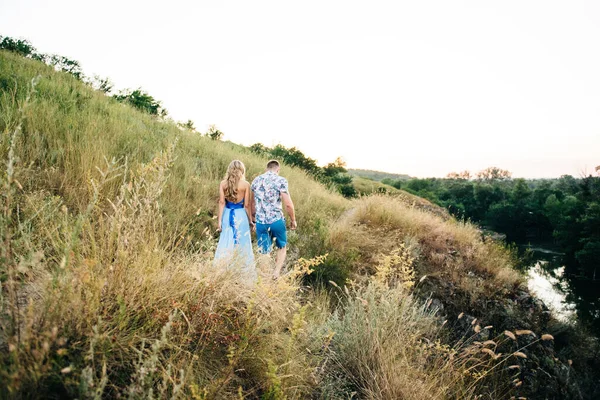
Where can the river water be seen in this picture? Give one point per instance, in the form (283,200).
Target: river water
(570,298)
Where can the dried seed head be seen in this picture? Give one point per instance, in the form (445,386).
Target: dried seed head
(488,351)
(547,336)
(519,354)
(510,335)
(520,332)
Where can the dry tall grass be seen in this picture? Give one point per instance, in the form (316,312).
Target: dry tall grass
(446,248)
(116,311)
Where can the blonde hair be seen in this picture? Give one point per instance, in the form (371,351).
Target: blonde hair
(236,171)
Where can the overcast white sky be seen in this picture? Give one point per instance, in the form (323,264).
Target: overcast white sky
(415,87)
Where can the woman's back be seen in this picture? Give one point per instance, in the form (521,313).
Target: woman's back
(243,186)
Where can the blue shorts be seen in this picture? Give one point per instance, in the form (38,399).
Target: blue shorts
(265,233)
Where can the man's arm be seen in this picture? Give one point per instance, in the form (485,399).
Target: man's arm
(289,207)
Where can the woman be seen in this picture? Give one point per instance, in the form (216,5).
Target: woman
(235,201)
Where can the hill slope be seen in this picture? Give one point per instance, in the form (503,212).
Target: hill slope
(377,175)
(109,288)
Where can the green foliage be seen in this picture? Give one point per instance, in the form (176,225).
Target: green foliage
(214,133)
(189,125)
(142,101)
(104,85)
(335,168)
(588,255)
(21,47)
(294,157)
(64,64)
(260,149)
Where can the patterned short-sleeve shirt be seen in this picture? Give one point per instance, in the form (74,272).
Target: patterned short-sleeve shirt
(267,189)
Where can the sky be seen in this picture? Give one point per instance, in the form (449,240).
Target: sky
(415,87)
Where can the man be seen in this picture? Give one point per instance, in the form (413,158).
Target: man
(269,192)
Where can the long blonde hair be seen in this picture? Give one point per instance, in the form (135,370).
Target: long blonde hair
(236,171)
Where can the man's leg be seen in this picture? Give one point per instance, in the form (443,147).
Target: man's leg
(279,233)
(264,245)
(279,260)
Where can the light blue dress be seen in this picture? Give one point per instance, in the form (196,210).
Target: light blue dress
(235,243)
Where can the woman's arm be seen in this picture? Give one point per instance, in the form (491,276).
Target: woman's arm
(252,205)
(221,206)
(248,206)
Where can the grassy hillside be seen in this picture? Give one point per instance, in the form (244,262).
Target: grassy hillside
(109,289)
(367,186)
(377,175)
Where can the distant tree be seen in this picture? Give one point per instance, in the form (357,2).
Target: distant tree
(333,174)
(348,190)
(335,168)
(67,65)
(567,184)
(21,47)
(485,195)
(588,255)
(459,175)
(521,192)
(260,149)
(104,85)
(26,49)
(295,157)
(142,101)
(214,133)
(493,174)
(341,179)
(189,125)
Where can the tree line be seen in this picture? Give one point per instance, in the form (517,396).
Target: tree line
(565,211)
(333,174)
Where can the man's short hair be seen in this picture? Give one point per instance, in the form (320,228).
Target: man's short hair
(273,164)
